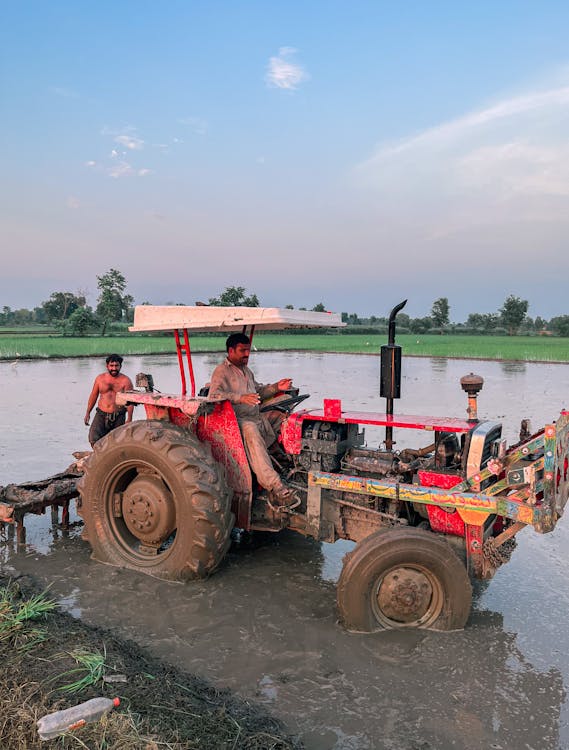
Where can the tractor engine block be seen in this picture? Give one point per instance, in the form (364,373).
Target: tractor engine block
(324,444)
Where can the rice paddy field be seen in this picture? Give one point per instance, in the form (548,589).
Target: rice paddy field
(529,349)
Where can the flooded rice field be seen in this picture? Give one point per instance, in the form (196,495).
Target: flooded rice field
(265,624)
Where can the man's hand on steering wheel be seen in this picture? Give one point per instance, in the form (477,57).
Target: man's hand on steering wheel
(286,405)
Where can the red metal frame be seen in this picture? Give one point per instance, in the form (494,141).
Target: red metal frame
(221,430)
(180,348)
(291,433)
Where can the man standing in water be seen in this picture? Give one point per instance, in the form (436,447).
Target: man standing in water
(234,381)
(105,388)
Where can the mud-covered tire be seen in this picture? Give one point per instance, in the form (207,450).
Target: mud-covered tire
(154,499)
(403,578)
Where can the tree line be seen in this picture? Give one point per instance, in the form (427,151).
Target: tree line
(70,313)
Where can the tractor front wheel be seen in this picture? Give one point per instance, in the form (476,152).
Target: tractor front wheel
(154,499)
(403,578)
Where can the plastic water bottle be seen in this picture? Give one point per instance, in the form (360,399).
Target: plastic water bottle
(72,718)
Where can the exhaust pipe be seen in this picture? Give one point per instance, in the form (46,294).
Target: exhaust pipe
(390,372)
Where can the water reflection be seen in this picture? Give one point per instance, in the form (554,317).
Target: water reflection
(512,368)
(439,364)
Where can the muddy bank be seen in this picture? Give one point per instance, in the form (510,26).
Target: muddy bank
(161,706)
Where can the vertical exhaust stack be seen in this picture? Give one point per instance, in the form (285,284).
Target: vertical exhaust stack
(390,372)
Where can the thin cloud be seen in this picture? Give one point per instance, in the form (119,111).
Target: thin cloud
(196,124)
(517,147)
(495,179)
(518,168)
(131,142)
(284,73)
(73,202)
(119,161)
(120,169)
(509,108)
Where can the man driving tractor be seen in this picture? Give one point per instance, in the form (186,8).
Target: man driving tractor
(234,381)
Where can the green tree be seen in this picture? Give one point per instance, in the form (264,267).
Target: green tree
(80,321)
(351,319)
(234,296)
(112,302)
(7,315)
(23,316)
(319,308)
(512,313)
(560,325)
(420,325)
(61,305)
(289,307)
(440,312)
(484,321)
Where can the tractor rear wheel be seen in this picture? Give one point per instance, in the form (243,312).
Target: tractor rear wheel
(403,578)
(154,499)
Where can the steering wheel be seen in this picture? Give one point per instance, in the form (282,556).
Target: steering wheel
(287,404)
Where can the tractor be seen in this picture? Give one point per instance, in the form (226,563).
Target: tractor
(162,495)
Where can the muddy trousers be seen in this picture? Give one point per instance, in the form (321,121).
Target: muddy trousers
(104,422)
(257,436)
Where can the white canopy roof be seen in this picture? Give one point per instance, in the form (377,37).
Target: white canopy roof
(205,318)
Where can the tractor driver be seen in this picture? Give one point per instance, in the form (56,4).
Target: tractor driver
(233,381)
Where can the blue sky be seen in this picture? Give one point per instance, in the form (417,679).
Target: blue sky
(350,153)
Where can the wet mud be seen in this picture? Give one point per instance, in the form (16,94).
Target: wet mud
(265,624)
(160,705)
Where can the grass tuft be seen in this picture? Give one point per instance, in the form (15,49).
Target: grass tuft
(17,617)
(91,667)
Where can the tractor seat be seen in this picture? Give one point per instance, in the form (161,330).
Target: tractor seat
(204,391)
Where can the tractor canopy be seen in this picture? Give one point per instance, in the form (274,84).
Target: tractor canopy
(183,320)
(204,318)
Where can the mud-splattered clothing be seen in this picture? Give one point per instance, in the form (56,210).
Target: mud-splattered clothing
(230,382)
(104,422)
(259,431)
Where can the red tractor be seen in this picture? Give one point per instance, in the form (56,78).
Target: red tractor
(162,495)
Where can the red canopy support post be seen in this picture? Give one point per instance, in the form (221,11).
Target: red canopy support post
(180,361)
(180,348)
(189,358)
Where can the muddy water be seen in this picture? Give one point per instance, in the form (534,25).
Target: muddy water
(265,624)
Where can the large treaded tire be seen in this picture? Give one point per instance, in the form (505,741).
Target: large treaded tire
(403,578)
(165,478)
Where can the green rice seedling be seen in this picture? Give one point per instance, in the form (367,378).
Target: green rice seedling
(524,348)
(15,615)
(91,667)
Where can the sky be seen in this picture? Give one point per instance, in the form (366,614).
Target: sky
(354,154)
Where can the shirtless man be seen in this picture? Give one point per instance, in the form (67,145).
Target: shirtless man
(105,388)
(234,381)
